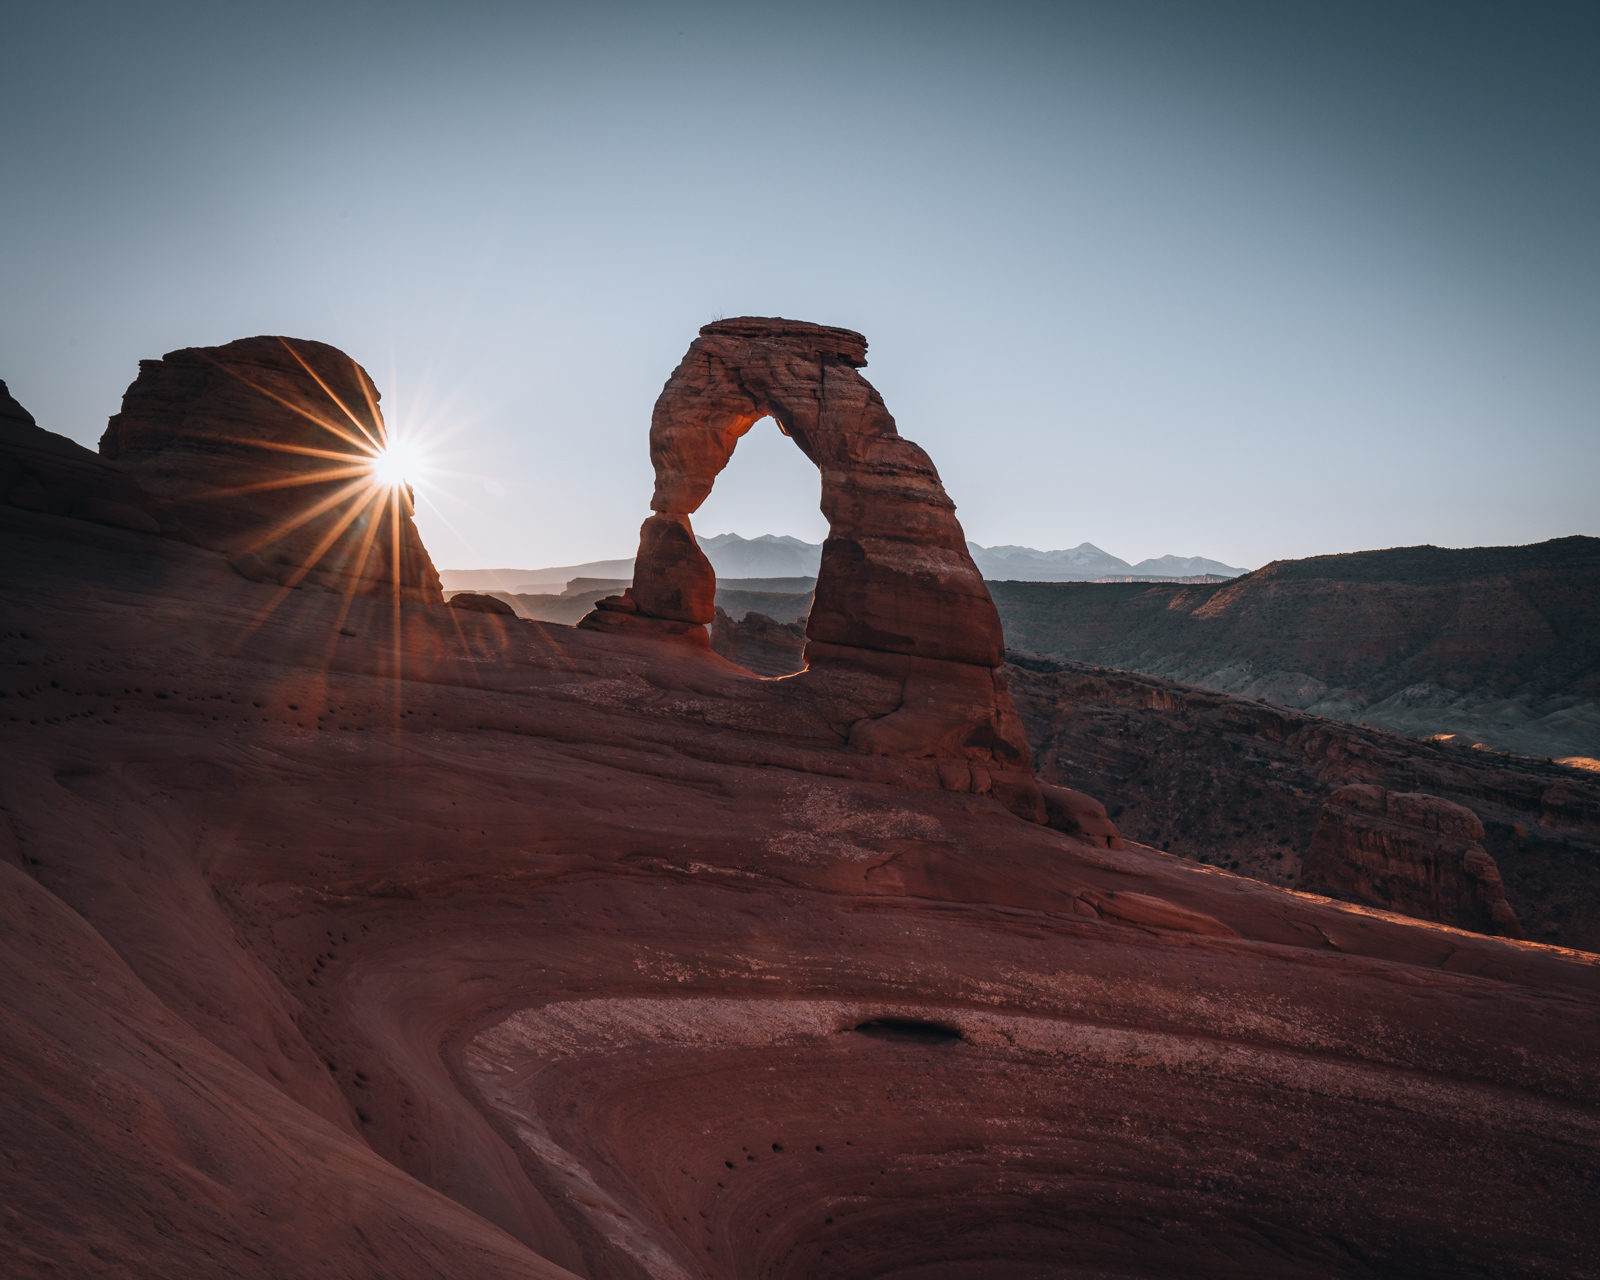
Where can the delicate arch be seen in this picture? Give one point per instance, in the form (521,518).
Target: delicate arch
(895,576)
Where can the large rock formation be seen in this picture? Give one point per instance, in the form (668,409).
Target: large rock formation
(897,597)
(1410,852)
(264,448)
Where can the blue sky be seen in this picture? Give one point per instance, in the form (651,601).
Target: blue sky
(1238,280)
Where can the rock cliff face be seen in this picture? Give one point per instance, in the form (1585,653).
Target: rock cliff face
(1412,853)
(898,600)
(264,448)
(1500,644)
(1241,784)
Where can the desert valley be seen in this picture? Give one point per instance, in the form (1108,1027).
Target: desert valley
(882,919)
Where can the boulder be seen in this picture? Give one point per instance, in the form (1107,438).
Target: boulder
(1408,852)
(264,448)
(478,602)
(1080,816)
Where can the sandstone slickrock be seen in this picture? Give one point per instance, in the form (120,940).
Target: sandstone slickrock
(897,598)
(263,447)
(1413,853)
(1081,816)
(372,939)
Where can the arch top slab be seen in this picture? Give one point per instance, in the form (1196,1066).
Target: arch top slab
(740,371)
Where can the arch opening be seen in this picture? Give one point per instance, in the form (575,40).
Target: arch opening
(767,488)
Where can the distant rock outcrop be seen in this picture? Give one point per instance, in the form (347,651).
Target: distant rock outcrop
(759,643)
(897,595)
(264,447)
(476,602)
(1413,853)
(1498,643)
(44,472)
(1246,786)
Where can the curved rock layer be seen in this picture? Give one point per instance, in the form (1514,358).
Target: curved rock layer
(877,1138)
(264,448)
(495,964)
(897,597)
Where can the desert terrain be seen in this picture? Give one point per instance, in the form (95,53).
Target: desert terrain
(350,932)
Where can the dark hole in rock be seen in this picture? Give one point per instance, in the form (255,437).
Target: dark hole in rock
(908,1031)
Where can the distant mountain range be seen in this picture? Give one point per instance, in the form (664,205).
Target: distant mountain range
(776,556)
(1086,563)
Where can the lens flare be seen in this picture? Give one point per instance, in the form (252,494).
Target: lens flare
(396,464)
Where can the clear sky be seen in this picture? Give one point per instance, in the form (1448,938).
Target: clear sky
(1243,280)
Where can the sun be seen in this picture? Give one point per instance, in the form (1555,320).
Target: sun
(393,466)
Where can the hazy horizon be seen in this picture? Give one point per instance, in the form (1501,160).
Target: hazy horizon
(1245,281)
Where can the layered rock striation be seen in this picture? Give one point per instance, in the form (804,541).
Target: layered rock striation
(264,447)
(898,598)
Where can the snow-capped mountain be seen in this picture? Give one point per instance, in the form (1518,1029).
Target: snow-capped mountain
(1084,563)
(769,556)
(778,556)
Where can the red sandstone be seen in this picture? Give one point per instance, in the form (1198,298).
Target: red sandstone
(263,448)
(400,941)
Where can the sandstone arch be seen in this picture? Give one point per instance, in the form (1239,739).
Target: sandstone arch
(897,594)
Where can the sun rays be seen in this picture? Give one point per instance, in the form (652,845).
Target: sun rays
(327,490)
(400,462)
(365,472)
(336,504)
